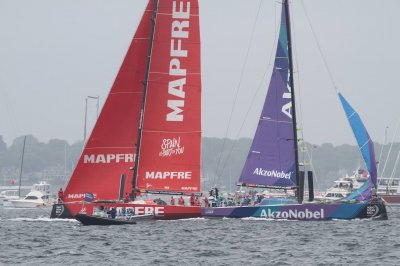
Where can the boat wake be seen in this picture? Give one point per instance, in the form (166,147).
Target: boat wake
(266,219)
(193,219)
(45,208)
(358,220)
(42,219)
(186,219)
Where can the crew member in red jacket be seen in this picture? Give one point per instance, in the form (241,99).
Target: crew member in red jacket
(127,198)
(181,201)
(192,200)
(60,195)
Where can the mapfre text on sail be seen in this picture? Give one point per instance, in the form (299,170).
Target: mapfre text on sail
(179,31)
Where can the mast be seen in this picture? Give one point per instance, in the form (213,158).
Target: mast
(291,83)
(145,85)
(20,171)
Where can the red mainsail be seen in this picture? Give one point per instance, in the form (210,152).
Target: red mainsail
(109,151)
(171,137)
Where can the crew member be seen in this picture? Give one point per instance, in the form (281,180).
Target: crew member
(172,200)
(137,193)
(206,201)
(196,202)
(60,195)
(127,198)
(192,199)
(113,212)
(181,201)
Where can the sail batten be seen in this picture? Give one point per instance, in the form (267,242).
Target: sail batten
(273,165)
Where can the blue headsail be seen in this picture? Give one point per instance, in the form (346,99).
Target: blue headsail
(366,147)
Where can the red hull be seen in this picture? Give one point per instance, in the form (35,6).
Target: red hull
(391,199)
(161,212)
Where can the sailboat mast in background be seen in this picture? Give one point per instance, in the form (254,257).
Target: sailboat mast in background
(22,166)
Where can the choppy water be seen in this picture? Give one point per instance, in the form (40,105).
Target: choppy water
(28,237)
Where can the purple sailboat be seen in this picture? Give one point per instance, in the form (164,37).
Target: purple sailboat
(272,161)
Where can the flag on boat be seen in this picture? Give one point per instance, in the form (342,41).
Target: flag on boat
(363,172)
(89,197)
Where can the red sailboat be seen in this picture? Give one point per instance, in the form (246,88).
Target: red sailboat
(147,139)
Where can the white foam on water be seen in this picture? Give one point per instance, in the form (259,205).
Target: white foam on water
(266,219)
(256,219)
(193,219)
(185,219)
(356,220)
(42,219)
(15,208)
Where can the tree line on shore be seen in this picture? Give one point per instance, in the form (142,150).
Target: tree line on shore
(222,160)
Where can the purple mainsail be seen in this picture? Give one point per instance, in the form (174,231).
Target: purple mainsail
(271,159)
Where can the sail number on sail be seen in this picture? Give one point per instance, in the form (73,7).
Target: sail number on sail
(179,31)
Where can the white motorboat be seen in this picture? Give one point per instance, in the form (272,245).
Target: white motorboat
(7,195)
(342,188)
(39,196)
(388,188)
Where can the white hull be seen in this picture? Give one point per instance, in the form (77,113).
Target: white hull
(7,195)
(27,204)
(38,197)
(7,203)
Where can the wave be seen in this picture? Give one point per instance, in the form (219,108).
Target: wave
(266,219)
(352,220)
(185,219)
(42,219)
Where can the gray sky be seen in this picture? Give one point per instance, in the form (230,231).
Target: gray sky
(55,53)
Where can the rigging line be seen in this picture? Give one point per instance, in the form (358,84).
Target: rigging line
(307,154)
(396,164)
(390,149)
(239,85)
(319,47)
(260,85)
(299,99)
(244,120)
(383,146)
